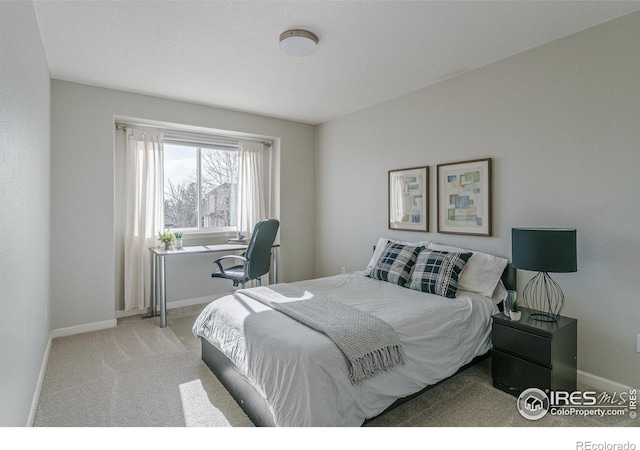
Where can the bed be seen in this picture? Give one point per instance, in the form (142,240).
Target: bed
(285,373)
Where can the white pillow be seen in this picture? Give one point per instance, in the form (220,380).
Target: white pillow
(482,272)
(382,243)
(500,293)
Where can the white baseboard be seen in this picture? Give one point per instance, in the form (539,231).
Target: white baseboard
(36,394)
(132,312)
(95,326)
(172,305)
(195,301)
(602,384)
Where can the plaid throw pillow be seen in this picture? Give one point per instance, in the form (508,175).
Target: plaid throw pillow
(438,272)
(396,263)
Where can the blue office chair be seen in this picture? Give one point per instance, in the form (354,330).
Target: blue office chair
(256,260)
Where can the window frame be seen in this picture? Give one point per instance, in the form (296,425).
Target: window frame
(179,132)
(198,144)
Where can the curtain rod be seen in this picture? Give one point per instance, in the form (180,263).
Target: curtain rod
(122,126)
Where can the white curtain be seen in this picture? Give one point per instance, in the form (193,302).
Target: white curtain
(250,186)
(144,213)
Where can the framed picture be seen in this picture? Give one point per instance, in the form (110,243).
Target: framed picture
(464,197)
(409,199)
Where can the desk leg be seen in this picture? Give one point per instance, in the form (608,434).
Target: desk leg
(154,284)
(163,292)
(275,265)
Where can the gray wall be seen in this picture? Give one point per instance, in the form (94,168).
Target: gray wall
(561,123)
(85,263)
(24,220)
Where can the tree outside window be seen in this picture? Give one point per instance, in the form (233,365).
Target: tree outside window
(200,187)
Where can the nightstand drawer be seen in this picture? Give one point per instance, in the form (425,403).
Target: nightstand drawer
(514,375)
(529,346)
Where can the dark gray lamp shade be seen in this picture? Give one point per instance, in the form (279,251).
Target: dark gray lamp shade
(544,249)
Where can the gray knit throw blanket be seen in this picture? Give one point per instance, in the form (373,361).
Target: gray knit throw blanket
(369,344)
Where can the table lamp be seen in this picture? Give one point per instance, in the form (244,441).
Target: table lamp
(544,250)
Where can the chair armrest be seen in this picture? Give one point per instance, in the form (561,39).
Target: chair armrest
(217,261)
(231,257)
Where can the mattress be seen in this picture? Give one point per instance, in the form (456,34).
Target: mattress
(303,376)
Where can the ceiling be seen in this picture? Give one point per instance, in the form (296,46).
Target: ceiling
(226,54)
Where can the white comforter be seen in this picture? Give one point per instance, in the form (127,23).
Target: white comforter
(303,375)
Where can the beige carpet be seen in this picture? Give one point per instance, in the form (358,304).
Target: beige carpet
(140,375)
(134,375)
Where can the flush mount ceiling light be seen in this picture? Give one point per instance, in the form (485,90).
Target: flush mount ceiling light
(298,42)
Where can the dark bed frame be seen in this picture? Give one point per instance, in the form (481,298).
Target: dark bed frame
(254,405)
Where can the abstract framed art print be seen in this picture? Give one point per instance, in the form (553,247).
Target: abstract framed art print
(408,199)
(464,197)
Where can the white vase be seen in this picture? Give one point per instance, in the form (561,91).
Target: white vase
(515,316)
(178,244)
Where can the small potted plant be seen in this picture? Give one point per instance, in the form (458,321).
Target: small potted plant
(178,235)
(167,239)
(515,312)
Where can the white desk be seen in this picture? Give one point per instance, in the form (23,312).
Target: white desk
(159,270)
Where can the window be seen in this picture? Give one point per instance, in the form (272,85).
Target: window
(200,185)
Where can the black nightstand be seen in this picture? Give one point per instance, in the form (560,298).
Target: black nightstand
(530,353)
